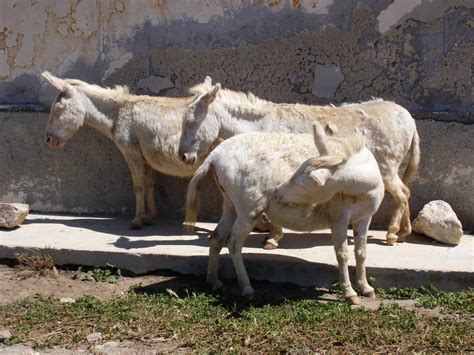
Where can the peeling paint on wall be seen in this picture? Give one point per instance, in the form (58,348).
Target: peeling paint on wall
(400,10)
(327,79)
(418,53)
(155,84)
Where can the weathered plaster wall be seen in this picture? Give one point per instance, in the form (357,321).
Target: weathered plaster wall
(418,52)
(89,175)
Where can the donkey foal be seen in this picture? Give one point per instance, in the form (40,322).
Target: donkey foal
(341,185)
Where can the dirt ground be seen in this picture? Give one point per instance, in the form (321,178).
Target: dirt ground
(63,284)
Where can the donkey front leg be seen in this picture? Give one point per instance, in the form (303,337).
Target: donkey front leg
(150,195)
(136,164)
(360,249)
(339,240)
(240,231)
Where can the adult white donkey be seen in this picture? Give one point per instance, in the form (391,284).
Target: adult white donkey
(388,129)
(341,185)
(145,129)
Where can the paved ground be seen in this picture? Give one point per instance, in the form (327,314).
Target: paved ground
(304,259)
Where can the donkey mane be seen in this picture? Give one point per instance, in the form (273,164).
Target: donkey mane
(372,100)
(96,90)
(247,101)
(238,98)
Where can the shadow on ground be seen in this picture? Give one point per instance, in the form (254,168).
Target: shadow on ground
(230,295)
(128,238)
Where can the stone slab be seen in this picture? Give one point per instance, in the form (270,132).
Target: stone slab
(304,259)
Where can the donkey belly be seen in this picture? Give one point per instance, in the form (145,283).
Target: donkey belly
(167,162)
(299,218)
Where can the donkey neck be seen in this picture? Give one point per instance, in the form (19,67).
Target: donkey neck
(101,113)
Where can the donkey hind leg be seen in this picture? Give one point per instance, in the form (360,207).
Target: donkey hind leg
(150,195)
(360,250)
(339,240)
(396,188)
(217,241)
(240,231)
(272,239)
(405,224)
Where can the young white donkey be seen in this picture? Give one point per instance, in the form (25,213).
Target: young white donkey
(145,129)
(341,186)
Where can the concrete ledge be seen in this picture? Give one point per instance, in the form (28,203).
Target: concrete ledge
(89,176)
(304,259)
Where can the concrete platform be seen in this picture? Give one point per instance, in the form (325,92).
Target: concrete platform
(304,259)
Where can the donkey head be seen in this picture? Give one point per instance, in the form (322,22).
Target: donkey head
(311,182)
(67,112)
(200,127)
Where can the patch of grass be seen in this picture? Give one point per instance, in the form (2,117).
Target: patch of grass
(103,274)
(431,297)
(36,264)
(220,323)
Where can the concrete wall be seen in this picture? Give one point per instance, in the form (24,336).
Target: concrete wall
(419,53)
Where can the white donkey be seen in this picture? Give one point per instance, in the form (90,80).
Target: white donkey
(342,185)
(145,129)
(389,131)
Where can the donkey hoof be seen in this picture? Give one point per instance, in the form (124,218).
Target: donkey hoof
(391,239)
(270,244)
(247,292)
(370,294)
(217,285)
(135,226)
(353,300)
(148,221)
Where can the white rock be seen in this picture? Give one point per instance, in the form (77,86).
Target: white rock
(91,338)
(13,214)
(5,335)
(112,344)
(67,300)
(438,221)
(18,349)
(106,346)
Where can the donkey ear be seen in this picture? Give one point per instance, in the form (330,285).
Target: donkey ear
(320,139)
(208,80)
(330,129)
(320,176)
(208,98)
(58,83)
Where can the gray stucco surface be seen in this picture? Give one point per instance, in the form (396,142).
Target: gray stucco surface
(417,53)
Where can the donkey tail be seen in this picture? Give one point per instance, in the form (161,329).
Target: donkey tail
(192,195)
(414,158)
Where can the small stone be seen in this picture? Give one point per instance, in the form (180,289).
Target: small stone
(111,344)
(5,335)
(67,300)
(91,338)
(438,221)
(13,214)
(105,348)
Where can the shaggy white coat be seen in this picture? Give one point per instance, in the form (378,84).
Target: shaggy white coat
(256,174)
(388,129)
(145,129)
